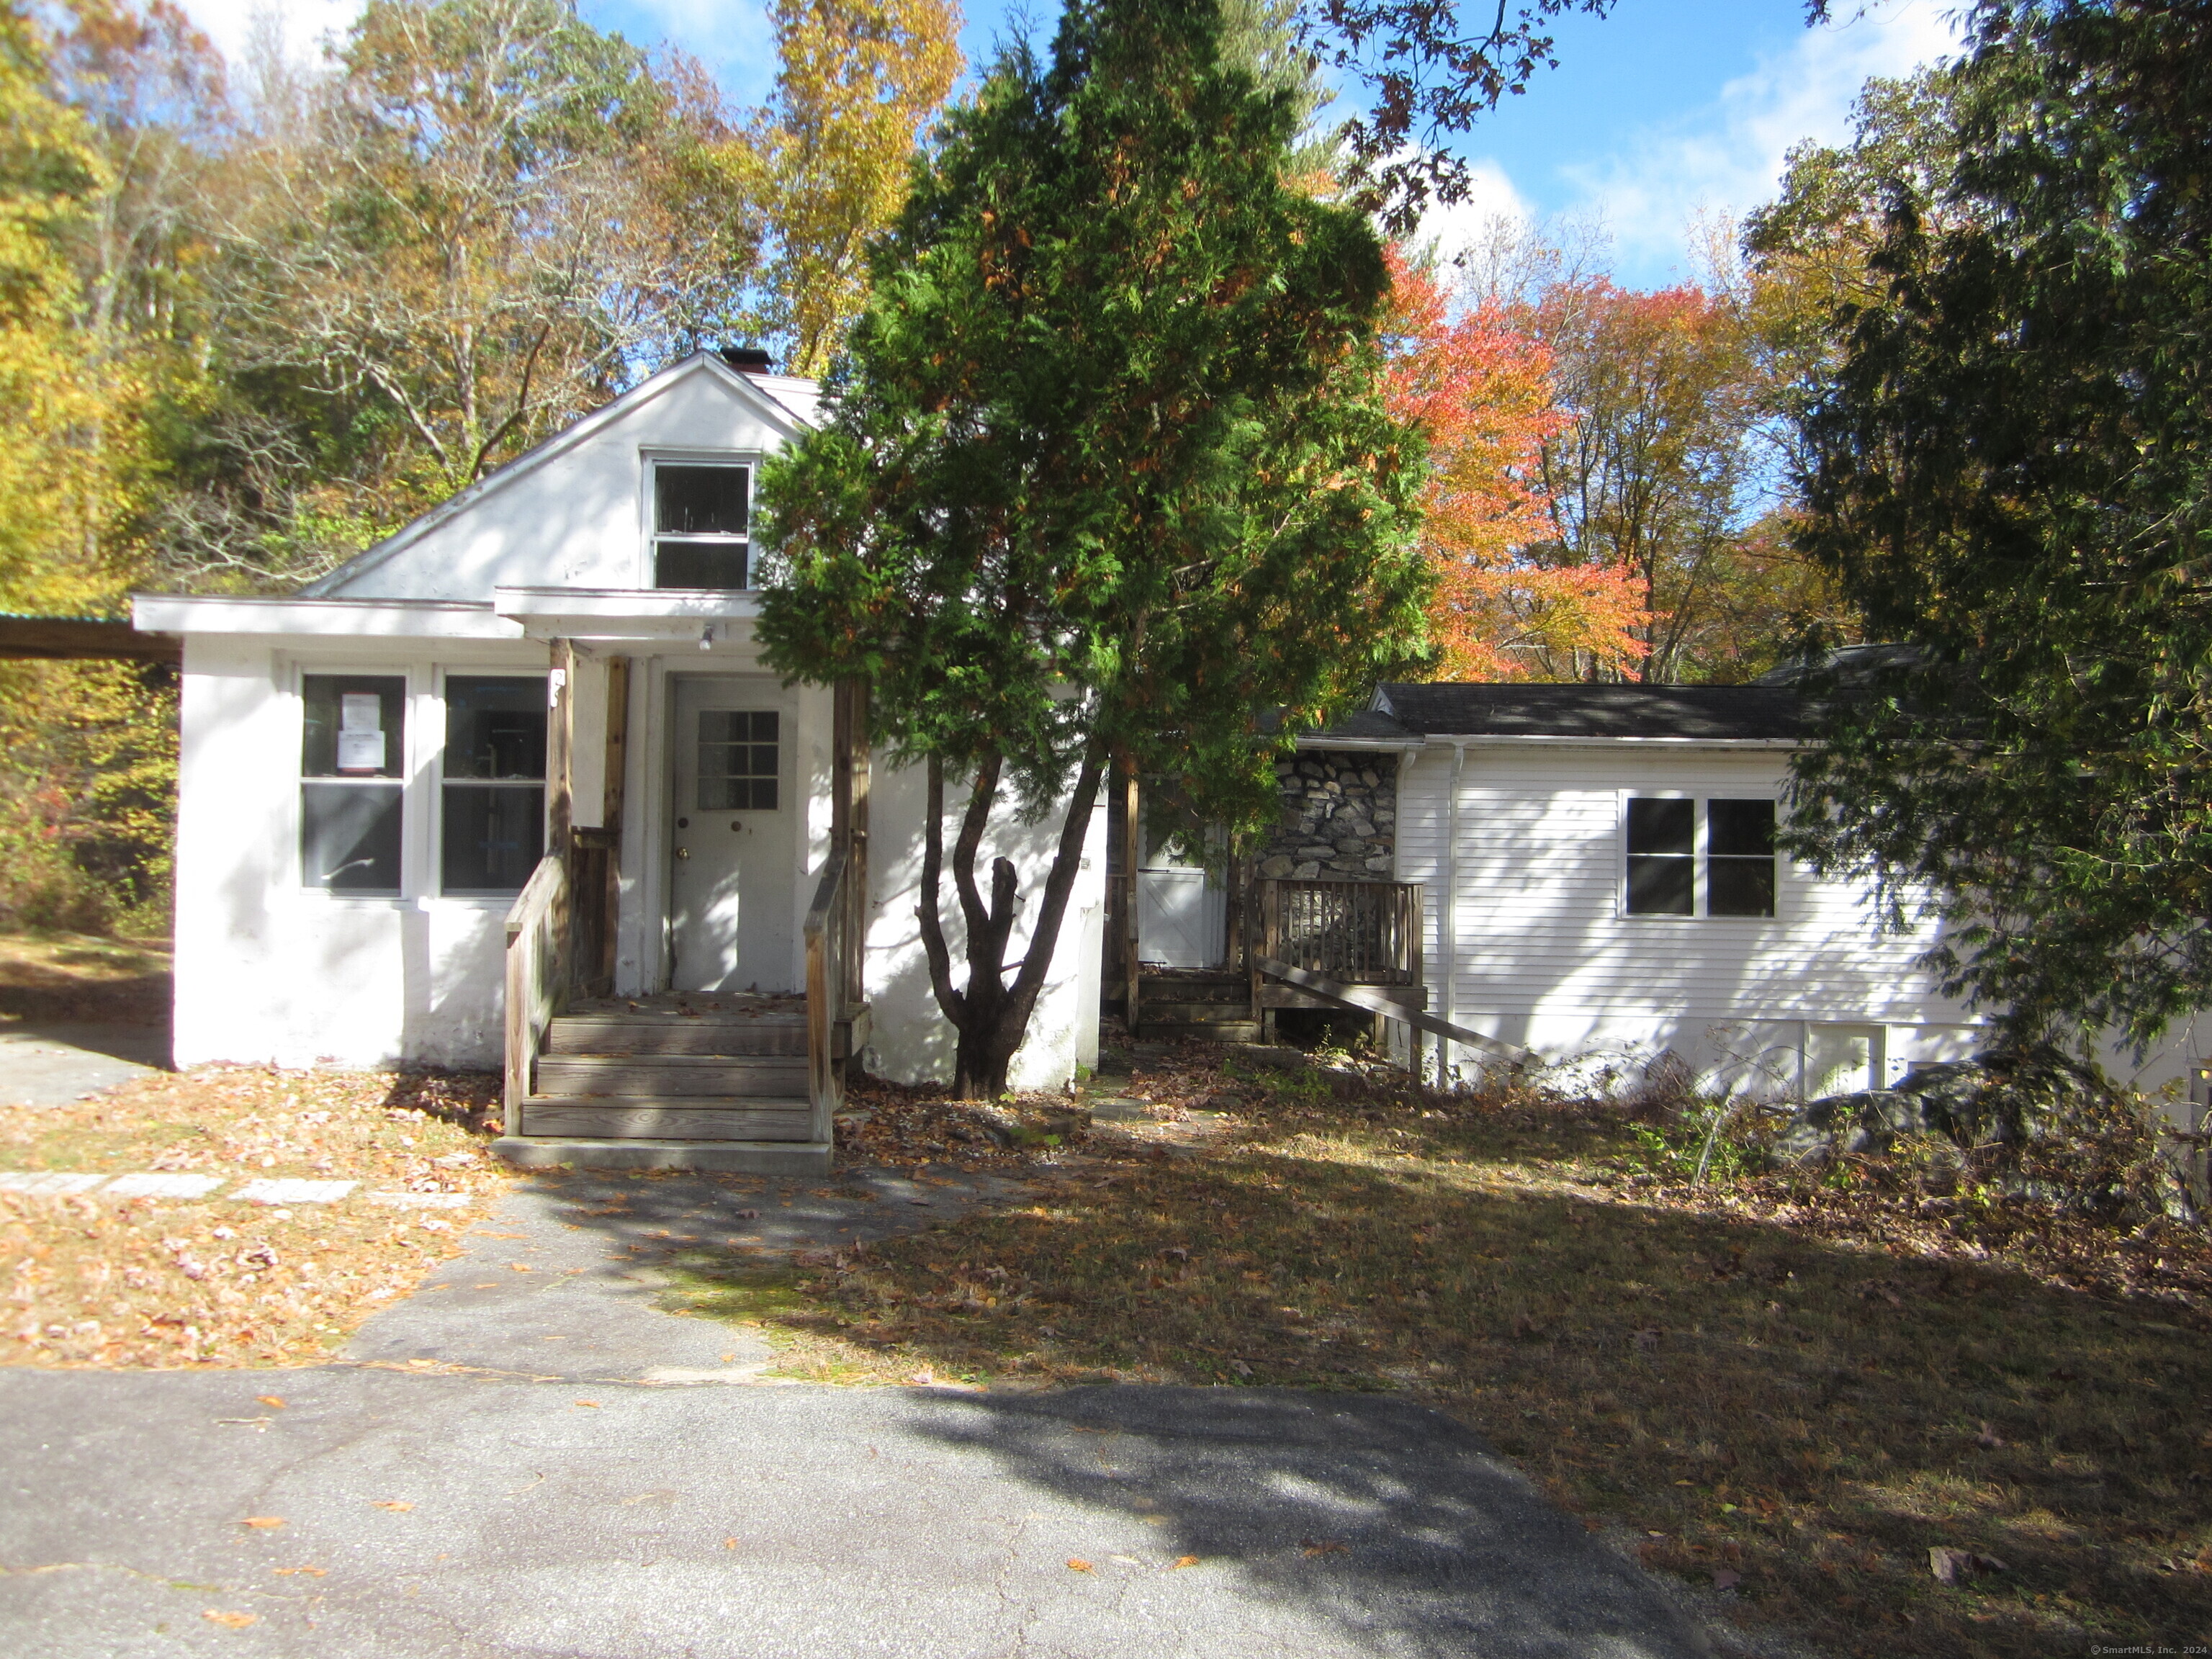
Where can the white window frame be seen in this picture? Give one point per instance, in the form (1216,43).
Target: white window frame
(1700,856)
(294,690)
(433,873)
(650,462)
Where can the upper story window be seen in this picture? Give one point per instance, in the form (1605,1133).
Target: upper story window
(1700,858)
(352,761)
(702,513)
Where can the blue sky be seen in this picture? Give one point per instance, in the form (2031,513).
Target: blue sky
(1665,110)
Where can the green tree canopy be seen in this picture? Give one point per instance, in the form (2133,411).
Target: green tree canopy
(2007,468)
(1109,473)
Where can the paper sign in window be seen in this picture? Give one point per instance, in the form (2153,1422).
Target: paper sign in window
(361,732)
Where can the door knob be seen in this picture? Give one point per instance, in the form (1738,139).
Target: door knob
(682,852)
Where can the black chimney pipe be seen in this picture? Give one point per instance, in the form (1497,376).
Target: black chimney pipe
(748,360)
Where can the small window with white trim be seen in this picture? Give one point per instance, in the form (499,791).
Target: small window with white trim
(492,792)
(1700,858)
(352,760)
(701,519)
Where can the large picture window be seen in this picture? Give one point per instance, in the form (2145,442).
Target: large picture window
(492,799)
(701,520)
(352,761)
(1700,858)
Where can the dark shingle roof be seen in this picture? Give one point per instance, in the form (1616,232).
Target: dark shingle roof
(1713,713)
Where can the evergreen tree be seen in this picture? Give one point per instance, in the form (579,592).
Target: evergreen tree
(2008,471)
(1110,473)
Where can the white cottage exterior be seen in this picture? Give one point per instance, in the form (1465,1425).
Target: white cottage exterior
(1588,872)
(515,788)
(551,683)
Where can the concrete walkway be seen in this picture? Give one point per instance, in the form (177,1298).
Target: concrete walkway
(540,1463)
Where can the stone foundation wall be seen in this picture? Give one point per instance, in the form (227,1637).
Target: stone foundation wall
(1339,819)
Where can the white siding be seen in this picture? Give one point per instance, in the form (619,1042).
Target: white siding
(574,516)
(1544,955)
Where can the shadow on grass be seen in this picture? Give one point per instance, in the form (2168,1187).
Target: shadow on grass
(1760,1404)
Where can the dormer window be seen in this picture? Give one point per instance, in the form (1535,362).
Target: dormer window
(700,512)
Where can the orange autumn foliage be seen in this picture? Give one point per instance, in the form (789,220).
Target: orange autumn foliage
(1480,389)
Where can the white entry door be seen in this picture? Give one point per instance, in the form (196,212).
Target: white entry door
(1182,912)
(732,843)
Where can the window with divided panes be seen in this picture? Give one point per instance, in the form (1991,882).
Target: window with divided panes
(1713,857)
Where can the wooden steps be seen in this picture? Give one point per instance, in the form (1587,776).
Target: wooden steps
(1195,1005)
(674,1082)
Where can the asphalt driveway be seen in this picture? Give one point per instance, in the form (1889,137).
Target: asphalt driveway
(541,1462)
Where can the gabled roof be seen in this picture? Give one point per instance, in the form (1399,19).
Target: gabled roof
(779,399)
(1709,714)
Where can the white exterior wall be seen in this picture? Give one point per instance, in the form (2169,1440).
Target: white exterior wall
(913,1042)
(573,513)
(1544,954)
(270,971)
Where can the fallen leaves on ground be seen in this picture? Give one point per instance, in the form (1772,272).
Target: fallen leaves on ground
(161,1282)
(1793,1391)
(230,1620)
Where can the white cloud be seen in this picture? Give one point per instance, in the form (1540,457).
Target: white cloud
(301,25)
(1491,199)
(1727,157)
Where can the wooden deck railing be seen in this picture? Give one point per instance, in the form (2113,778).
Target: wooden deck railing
(831,933)
(1357,933)
(538,975)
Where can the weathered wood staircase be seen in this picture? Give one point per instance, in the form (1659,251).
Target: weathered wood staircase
(664,1070)
(718,1082)
(680,1080)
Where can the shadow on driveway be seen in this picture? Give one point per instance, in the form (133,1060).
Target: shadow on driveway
(1390,1521)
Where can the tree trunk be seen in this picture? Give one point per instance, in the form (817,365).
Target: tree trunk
(990,1017)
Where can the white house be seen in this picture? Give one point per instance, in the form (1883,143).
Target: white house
(561,659)
(1587,871)
(513,787)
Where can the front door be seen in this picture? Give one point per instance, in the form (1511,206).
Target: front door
(730,848)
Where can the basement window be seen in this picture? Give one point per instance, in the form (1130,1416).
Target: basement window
(352,760)
(1700,858)
(701,516)
(492,798)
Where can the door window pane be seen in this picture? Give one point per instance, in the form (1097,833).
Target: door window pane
(492,821)
(738,750)
(353,751)
(1661,858)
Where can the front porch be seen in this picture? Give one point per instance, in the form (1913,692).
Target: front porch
(666,1078)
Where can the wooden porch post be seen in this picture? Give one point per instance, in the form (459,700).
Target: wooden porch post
(560,752)
(611,797)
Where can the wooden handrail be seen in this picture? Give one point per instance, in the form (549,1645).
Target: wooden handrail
(536,976)
(828,932)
